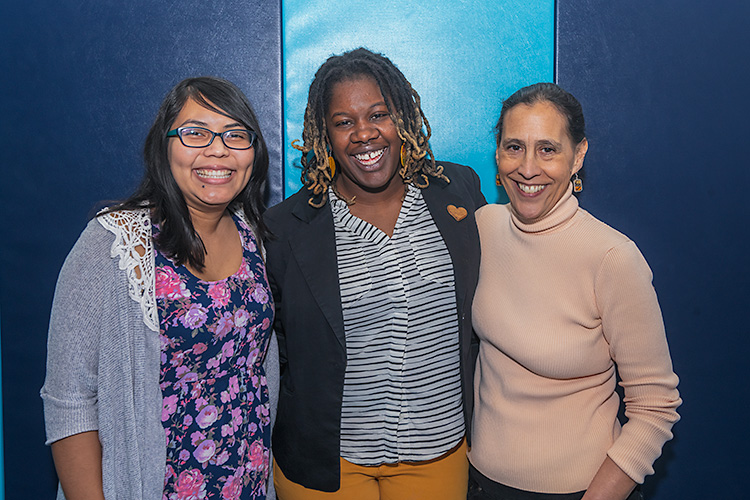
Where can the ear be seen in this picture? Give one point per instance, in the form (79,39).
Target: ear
(581,150)
(497,157)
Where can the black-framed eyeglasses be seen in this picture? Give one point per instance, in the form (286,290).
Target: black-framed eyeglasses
(199,137)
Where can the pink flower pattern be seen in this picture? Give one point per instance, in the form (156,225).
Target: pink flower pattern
(215,399)
(190,485)
(233,487)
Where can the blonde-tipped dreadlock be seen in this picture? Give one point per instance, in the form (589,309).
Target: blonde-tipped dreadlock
(403,104)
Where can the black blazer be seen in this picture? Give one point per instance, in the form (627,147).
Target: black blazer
(302,270)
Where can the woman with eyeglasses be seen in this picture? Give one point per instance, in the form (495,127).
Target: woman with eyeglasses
(162,315)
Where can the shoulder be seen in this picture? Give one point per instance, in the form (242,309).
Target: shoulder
(625,261)
(491,215)
(131,230)
(457,171)
(96,244)
(126,220)
(599,233)
(93,244)
(294,212)
(616,253)
(494,227)
(89,267)
(283,209)
(464,182)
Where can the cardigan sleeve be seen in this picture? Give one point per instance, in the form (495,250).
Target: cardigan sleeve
(83,289)
(633,326)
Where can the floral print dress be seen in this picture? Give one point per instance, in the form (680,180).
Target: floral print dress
(214,336)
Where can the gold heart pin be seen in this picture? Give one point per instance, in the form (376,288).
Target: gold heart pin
(458,213)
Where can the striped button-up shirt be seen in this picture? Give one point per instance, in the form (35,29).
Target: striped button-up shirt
(402,390)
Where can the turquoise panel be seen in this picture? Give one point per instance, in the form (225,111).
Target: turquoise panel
(462,57)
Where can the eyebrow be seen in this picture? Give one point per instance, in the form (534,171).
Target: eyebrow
(542,142)
(199,123)
(380,103)
(549,142)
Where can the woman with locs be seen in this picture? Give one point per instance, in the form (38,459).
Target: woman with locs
(373,268)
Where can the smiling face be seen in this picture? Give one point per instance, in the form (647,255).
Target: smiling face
(211,177)
(364,140)
(536,159)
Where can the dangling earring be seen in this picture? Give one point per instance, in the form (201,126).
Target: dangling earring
(403,155)
(330,160)
(577,183)
(497,180)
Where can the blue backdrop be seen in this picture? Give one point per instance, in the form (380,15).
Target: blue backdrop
(462,58)
(663,88)
(81,81)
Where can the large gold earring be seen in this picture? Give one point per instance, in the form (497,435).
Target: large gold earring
(577,183)
(332,166)
(403,155)
(497,180)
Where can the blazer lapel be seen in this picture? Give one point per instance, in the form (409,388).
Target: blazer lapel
(446,209)
(314,248)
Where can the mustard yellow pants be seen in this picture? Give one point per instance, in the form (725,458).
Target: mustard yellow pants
(444,478)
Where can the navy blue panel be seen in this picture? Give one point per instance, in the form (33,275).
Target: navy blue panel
(664,90)
(81,82)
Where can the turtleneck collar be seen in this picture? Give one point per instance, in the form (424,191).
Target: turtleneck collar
(562,212)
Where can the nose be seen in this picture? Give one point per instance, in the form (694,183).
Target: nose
(364,131)
(529,167)
(217,147)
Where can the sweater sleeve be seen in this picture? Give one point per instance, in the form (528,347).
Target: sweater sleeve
(633,326)
(80,303)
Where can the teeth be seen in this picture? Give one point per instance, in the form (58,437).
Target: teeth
(370,157)
(531,189)
(214,174)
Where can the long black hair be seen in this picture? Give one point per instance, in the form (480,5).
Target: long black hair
(159,191)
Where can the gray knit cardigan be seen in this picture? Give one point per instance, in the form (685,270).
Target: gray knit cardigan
(103,368)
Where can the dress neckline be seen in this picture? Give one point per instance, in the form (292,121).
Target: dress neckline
(243,243)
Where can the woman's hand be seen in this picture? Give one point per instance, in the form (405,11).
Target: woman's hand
(78,461)
(609,483)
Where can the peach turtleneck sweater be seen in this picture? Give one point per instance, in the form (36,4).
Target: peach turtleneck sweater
(559,304)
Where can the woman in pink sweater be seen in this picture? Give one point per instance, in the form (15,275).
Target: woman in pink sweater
(563,302)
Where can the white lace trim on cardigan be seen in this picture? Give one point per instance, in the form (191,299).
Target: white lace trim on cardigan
(132,230)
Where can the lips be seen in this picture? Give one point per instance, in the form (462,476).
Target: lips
(531,188)
(370,157)
(213,174)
